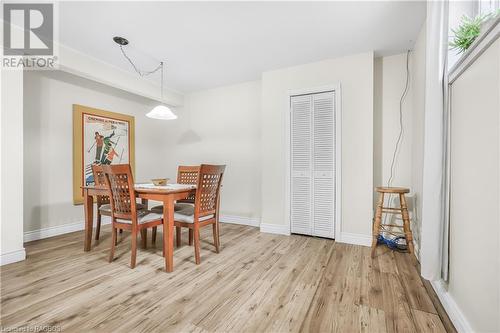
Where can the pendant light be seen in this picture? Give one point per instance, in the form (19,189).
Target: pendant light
(160,111)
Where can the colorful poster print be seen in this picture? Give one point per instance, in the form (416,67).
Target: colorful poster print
(106,141)
(99,138)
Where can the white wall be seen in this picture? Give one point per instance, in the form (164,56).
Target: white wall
(389,81)
(355,74)
(48,146)
(215,126)
(11,167)
(390,78)
(222,126)
(474,275)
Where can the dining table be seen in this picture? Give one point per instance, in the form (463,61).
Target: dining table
(167,194)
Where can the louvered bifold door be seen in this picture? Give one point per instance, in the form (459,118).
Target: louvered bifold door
(323,156)
(301,165)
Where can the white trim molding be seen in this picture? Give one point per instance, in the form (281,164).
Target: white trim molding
(30,236)
(12,257)
(279,229)
(59,230)
(417,250)
(234,219)
(11,166)
(355,239)
(456,315)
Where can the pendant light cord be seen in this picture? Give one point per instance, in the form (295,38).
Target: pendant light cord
(145,73)
(141,73)
(161,84)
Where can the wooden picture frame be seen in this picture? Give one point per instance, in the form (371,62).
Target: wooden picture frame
(113,137)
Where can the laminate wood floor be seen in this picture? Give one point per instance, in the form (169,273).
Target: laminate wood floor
(258,283)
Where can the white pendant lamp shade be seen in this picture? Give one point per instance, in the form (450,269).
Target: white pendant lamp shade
(161,112)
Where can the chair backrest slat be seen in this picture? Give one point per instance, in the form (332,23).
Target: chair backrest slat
(188,175)
(208,189)
(100,180)
(121,188)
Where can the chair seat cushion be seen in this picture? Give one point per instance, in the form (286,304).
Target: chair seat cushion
(183,212)
(177,207)
(106,208)
(143,216)
(190,218)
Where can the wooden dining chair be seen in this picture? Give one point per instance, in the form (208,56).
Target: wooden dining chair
(124,212)
(102,201)
(205,210)
(185,175)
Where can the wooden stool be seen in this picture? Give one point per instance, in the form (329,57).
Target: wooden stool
(403,210)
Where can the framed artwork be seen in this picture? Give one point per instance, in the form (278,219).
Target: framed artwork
(99,137)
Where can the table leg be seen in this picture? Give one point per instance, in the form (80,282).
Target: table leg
(168,233)
(88,203)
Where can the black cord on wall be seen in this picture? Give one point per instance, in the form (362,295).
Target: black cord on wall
(401,129)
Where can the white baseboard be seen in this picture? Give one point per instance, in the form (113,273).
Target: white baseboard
(59,230)
(349,238)
(13,256)
(355,239)
(456,315)
(417,250)
(233,219)
(275,229)
(78,226)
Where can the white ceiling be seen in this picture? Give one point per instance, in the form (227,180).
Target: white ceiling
(209,44)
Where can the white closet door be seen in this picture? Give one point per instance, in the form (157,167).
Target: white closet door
(313,164)
(301,165)
(323,164)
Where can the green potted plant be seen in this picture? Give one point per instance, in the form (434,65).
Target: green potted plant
(468,31)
